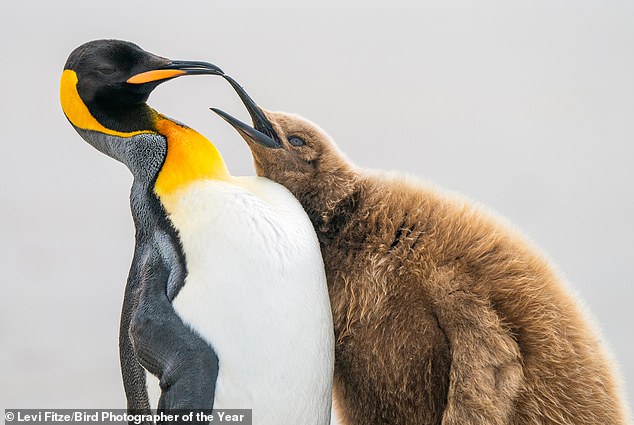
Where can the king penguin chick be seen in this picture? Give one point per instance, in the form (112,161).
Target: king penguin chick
(226,301)
(442,313)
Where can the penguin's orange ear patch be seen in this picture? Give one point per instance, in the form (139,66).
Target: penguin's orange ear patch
(155,75)
(77,112)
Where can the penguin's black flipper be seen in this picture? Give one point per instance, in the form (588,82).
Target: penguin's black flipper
(132,372)
(187,367)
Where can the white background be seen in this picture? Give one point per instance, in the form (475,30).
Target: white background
(526,106)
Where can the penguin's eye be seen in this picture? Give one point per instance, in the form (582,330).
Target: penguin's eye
(296,141)
(106,70)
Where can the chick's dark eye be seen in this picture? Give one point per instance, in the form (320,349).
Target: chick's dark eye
(296,141)
(106,70)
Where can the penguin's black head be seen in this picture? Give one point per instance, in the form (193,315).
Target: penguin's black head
(103,68)
(114,78)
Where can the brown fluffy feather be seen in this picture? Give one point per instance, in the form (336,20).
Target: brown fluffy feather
(442,313)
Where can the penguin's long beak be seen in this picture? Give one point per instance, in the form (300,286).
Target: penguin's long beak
(262,131)
(175,69)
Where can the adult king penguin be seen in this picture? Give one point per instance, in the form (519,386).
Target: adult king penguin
(226,301)
(442,313)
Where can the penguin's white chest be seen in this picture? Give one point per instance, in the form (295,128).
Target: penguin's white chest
(256,292)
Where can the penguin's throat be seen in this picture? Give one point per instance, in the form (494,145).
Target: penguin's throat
(190,158)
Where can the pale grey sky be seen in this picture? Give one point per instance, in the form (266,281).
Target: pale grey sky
(525,106)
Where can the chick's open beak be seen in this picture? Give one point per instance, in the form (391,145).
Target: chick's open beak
(262,131)
(247,131)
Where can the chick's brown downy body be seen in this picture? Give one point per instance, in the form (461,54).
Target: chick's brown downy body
(442,313)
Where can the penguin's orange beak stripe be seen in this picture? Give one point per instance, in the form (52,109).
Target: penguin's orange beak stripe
(155,75)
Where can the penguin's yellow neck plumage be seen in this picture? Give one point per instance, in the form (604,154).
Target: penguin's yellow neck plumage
(190,156)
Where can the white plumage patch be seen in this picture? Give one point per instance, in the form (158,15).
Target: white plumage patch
(256,292)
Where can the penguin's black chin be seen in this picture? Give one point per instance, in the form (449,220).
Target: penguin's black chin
(125,95)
